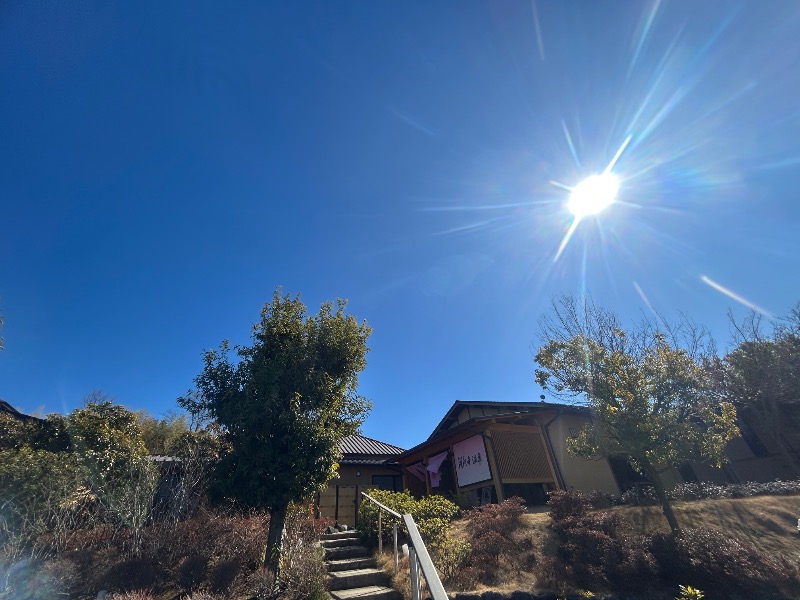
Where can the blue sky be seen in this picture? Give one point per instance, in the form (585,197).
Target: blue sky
(164,166)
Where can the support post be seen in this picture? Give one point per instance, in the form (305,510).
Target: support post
(414,566)
(395,550)
(493,466)
(380,533)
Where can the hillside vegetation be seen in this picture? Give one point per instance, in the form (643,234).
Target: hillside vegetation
(759,532)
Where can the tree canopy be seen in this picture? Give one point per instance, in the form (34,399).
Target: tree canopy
(761,376)
(645,386)
(284,402)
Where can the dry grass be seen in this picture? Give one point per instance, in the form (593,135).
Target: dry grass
(767,522)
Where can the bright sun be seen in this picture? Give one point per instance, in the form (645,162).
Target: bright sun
(593,194)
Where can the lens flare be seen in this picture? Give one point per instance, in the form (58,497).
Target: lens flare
(593,194)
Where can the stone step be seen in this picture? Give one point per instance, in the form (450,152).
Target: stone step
(372,592)
(346,552)
(339,535)
(339,543)
(347,564)
(358,578)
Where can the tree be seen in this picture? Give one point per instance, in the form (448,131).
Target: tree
(761,376)
(645,387)
(284,404)
(109,447)
(160,435)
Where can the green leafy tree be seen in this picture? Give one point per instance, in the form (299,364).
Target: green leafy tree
(646,389)
(108,444)
(160,435)
(761,376)
(284,404)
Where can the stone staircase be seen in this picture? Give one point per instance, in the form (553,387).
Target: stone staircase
(351,570)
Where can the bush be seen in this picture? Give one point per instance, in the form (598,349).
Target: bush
(431,514)
(564,504)
(132,574)
(491,528)
(303,570)
(594,552)
(222,576)
(721,565)
(450,557)
(701,490)
(192,571)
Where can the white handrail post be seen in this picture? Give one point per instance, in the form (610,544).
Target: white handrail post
(414,565)
(395,549)
(380,534)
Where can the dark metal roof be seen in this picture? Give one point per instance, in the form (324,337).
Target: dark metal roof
(5,407)
(360,445)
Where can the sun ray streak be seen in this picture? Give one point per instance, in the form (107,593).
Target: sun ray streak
(644,298)
(643,38)
(618,154)
(563,186)
(569,143)
(734,296)
(539,41)
(567,236)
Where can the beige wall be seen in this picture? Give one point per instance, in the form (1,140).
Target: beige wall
(579,473)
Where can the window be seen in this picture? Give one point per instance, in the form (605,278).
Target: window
(392,483)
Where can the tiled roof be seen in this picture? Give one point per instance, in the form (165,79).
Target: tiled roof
(358,444)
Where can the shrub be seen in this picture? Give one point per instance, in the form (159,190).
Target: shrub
(132,574)
(260,584)
(133,595)
(592,552)
(450,557)
(701,490)
(491,529)
(303,570)
(192,571)
(720,564)
(564,504)
(432,516)
(222,576)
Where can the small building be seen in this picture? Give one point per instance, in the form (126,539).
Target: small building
(489,451)
(365,464)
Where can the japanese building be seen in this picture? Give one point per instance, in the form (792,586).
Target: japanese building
(366,464)
(489,451)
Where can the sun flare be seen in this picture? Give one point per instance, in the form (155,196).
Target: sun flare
(593,194)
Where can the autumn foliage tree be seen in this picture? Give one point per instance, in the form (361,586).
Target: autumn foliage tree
(645,386)
(284,402)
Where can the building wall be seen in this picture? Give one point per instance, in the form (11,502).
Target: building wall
(579,473)
(361,474)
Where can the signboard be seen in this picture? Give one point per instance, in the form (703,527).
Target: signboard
(469,457)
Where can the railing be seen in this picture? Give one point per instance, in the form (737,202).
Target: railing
(419,560)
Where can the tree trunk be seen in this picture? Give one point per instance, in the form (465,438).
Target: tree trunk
(661,493)
(272,557)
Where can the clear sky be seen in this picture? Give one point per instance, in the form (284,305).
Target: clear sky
(165,165)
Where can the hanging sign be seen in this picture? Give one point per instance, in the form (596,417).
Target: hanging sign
(469,457)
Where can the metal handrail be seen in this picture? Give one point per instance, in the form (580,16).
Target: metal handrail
(418,556)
